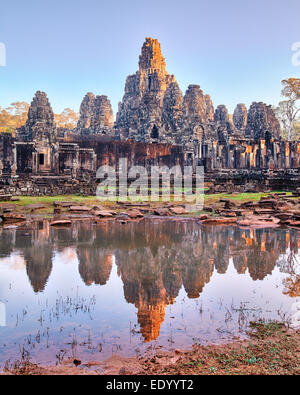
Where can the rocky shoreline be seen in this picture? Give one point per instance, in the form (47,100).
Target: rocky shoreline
(272,349)
(252,210)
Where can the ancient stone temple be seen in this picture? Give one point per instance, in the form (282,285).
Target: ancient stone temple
(96,115)
(156,124)
(240,117)
(261,119)
(40,122)
(140,112)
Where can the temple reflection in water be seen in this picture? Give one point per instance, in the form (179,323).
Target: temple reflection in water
(154,260)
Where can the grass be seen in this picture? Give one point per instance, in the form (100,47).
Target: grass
(271,350)
(48,201)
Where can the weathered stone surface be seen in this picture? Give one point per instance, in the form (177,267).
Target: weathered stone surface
(12,217)
(219,221)
(80,208)
(40,123)
(96,116)
(172,113)
(198,108)
(61,222)
(86,110)
(34,207)
(134,213)
(161,128)
(261,221)
(102,213)
(161,212)
(261,119)
(178,210)
(140,112)
(198,112)
(240,117)
(102,118)
(221,118)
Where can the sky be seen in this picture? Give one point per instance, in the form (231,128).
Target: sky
(238,51)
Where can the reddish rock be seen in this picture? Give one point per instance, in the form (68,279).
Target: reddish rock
(227,213)
(161,211)
(80,208)
(102,213)
(203,217)
(34,207)
(63,204)
(178,210)
(61,222)
(219,221)
(259,222)
(135,214)
(293,222)
(12,217)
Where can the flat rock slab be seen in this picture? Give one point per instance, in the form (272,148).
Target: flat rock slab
(178,210)
(63,204)
(265,211)
(34,207)
(219,221)
(163,212)
(103,214)
(132,204)
(5,197)
(135,214)
(80,208)
(61,222)
(293,223)
(228,213)
(11,217)
(259,222)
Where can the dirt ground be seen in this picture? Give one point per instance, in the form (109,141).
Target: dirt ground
(272,349)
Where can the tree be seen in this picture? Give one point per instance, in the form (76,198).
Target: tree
(287,110)
(67,119)
(13,117)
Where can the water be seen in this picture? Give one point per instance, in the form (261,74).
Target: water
(93,290)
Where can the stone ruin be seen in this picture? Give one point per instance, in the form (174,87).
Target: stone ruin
(95,115)
(155,124)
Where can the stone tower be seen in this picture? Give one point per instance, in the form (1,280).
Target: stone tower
(261,119)
(240,117)
(140,112)
(40,123)
(96,115)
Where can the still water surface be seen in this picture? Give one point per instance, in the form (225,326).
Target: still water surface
(93,290)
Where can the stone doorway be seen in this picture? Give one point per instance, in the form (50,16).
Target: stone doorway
(154,132)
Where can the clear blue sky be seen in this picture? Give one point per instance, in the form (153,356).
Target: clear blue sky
(238,51)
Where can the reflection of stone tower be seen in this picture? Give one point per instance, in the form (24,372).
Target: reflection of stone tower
(196,276)
(150,318)
(38,265)
(94,267)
